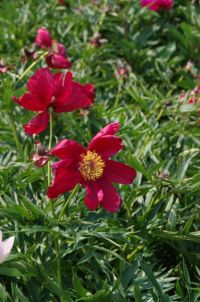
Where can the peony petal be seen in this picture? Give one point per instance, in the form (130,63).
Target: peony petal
(5,248)
(61,164)
(41,86)
(74,96)
(89,89)
(91,197)
(67,149)
(37,124)
(157,4)
(106,145)
(40,160)
(62,50)
(165,4)
(64,181)
(108,130)
(110,200)
(43,38)
(119,173)
(27,102)
(55,61)
(1,236)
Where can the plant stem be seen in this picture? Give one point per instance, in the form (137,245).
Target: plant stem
(31,66)
(12,125)
(45,178)
(50,145)
(67,202)
(57,248)
(59,272)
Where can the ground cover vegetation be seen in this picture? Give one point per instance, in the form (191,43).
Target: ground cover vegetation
(136,72)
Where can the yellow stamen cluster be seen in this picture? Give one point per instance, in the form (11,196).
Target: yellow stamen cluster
(91,166)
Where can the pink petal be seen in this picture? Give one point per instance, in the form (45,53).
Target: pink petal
(67,149)
(43,38)
(62,50)
(40,160)
(64,181)
(37,124)
(106,146)
(110,200)
(3,69)
(41,86)
(119,173)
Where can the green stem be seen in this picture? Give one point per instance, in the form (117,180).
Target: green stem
(101,19)
(12,125)
(118,92)
(59,271)
(31,66)
(57,248)
(67,202)
(45,178)
(50,145)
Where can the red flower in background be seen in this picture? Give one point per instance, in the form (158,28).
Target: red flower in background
(157,4)
(40,157)
(56,91)
(62,2)
(92,168)
(28,53)
(57,56)
(4,67)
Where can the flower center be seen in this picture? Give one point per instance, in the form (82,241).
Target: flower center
(91,166)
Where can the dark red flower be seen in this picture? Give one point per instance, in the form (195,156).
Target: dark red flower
(55,60)
(57,91)
(57,56)
(40,157)
(62,2)
(92,168)
(29,53)
(96,41)
(157,4)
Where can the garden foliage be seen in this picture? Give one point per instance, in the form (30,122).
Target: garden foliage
(144,67)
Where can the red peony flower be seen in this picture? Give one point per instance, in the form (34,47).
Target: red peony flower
(157,4)
(92,168)
(56,91)
(57,56)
